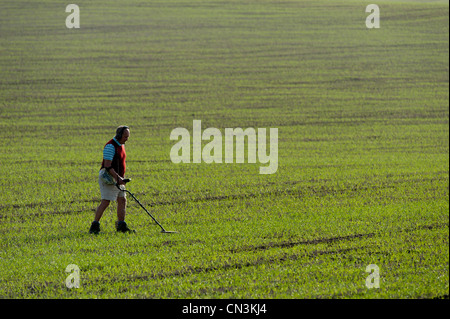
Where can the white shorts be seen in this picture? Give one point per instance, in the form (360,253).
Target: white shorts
(109,192)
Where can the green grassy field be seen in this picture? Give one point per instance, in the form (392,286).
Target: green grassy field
(363,148)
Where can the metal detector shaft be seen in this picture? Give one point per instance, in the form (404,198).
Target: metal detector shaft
(134,197)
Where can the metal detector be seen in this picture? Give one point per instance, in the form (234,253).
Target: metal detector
(126,180)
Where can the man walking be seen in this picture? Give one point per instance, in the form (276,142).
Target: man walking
(113,171)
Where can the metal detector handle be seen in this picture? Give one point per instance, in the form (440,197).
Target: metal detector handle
(125,180)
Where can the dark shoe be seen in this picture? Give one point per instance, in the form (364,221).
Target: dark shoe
(95,228)
(123,227)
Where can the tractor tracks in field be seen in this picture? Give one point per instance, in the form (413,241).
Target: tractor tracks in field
(290,244)
(192,270)
(254,262)
(282,257)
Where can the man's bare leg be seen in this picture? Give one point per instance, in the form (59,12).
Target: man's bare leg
(100,209)
(121,208)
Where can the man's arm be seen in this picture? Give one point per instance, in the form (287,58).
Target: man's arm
(113,173)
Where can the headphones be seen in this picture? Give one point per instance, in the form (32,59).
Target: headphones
(120,130)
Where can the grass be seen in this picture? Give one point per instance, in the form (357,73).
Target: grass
(362,118)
